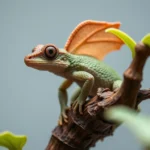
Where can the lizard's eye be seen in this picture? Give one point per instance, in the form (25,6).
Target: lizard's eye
(51,52)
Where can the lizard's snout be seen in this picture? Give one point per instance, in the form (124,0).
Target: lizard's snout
(27,59)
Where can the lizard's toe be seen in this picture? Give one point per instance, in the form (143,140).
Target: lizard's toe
(80,109)
(76,106)
(63,118)
(64,115)
(60,121)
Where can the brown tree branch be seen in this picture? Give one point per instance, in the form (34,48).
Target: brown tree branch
(83,131)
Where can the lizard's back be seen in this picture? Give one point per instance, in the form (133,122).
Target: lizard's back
(104,75)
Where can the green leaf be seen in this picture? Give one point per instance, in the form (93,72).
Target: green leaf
(11,141)
(139,124)
(146,39)
(125,38)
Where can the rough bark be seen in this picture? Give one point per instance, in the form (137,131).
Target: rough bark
(83,131)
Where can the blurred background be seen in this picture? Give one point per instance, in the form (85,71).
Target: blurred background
(28,98)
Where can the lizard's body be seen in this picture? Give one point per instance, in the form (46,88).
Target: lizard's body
(104,75)
(80,62)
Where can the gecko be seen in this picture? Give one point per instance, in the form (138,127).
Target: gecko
(80,61)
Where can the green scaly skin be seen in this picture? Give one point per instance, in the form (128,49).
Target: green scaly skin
(99,74)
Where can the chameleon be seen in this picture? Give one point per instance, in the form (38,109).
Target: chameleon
(80,61)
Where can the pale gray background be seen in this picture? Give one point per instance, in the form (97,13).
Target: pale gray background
(28,103)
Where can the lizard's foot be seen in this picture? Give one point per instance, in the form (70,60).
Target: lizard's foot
(78,105)
(63,117)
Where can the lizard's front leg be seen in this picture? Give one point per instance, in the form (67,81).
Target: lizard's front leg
(63,98)
(88,79)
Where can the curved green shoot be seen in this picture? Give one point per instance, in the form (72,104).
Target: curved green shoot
(11,141)
(139,124)
(146,39)
(125,38)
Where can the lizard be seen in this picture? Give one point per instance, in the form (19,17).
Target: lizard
(80,61)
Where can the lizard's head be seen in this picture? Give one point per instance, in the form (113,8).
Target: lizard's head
(47,57)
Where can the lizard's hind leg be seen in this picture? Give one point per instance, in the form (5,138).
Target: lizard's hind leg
(117,84)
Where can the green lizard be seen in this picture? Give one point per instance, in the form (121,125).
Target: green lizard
(81,62)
